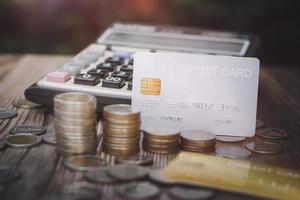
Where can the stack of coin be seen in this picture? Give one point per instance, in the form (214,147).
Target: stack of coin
(75,123)
(121,130)
(197,141)
(161,140)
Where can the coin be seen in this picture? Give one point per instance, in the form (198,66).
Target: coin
(142,190)
(234,152)
(190,193)
(197,141)
(84,162)
(272,133)
(264,147)
(7,113)
(197,136)
(259,124)
(222,138)
(22,140)
(139,159)
(121,111)
(28,129)
(8,174)
(155,175)
(2,145)
(100,175)
(81,190)
(128,172)
(24,103)
(49,138)
(161,132)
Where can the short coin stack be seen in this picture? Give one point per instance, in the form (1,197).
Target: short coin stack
(197,141)
(161,140)
(75,123)
(121,130)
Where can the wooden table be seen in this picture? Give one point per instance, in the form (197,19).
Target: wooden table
(42,169)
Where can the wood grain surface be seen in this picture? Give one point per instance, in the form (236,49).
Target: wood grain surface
(43,172)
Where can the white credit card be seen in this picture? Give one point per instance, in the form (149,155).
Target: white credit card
(196,92)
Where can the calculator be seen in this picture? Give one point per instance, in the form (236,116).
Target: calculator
(105,67)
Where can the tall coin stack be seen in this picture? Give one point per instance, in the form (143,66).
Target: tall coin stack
(75,123)
(121,130)
(161,140)
(197,141)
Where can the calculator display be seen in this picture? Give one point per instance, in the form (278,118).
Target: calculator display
(191,43)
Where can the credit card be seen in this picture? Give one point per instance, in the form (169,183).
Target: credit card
(202,92)
(234,175)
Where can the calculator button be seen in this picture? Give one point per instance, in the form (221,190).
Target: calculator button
(113,82)
(115,60)
(130,62)
(107,66)
(129,87)
(122,54)
(98,72)
(124,75)
(127,68)
(58,76)
(86,79)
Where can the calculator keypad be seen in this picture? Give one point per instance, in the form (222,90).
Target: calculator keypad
(113,82)
(124,75)
(107,66)
(115,60)
(86,79)
(127,68)
(99,72)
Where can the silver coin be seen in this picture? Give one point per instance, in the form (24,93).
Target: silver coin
(272,133)
(49,138)
(7,113)
(128,172)
(100,175)
(84,162)
(22,140)
(264,147)
(28,129)
(222,138)
(8,175)
(139,159)
(155,175)
(81,190)
(142,190)
(233,152)
(190,193)
(2,145)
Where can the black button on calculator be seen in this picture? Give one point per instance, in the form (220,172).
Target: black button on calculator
(127,68)
(130,62)
(86,79)
(124,75)
(115,60)
(113,82)
(98,72)
(107,66)
(129,87)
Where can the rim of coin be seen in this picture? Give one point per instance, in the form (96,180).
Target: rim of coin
(272,133)
(142,190)
(190,193)
(100,175)
(8,174)
(84,162)
(233,152)
(139,159)
(81,190)
(75,98)
(26,104)
(224,138)
(195,135)
(264,147)
(128,172)
(121,111)
(28,129)
(22,140)
(49,138)
(7,113)
(156,176)
(161,132)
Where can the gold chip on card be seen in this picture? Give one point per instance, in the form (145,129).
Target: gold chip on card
(150,86)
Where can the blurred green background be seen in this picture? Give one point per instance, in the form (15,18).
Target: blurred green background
(66,26)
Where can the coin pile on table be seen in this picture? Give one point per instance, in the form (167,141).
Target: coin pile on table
(161,140)
(75,123)
(121,130)
(197,141)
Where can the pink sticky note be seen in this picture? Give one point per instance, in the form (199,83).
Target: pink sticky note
(58,76)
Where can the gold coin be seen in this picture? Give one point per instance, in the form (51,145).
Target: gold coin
(264,147)
(119,122)
(197,136)
(120,111)
(161,132)
(222,138)
(84,163)
(75,99)
(22,140)
(24,103)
